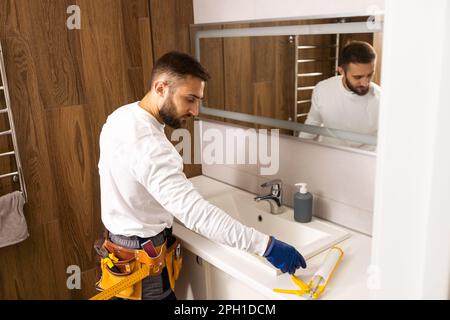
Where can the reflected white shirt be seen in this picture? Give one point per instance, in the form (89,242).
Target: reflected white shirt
(333,106)
(143,185)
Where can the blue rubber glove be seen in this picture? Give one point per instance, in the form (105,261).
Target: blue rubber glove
(283,256)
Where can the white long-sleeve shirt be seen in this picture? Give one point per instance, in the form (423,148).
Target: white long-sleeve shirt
(333,106)
(143,185)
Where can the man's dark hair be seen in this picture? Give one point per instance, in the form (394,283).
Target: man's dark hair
(179,65)
(357,52)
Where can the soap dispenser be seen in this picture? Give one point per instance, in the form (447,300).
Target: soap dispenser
(303,204)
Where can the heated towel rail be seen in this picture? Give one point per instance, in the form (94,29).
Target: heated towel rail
(5,109)
(299,61)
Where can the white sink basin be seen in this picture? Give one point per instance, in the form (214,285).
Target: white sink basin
(309,238)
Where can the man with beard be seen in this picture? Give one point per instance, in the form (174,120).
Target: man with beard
(143,186)
(350,101)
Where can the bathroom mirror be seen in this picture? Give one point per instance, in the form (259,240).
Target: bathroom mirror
(264,73)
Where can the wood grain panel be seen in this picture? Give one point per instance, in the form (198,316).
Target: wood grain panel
(263,99)
(170,25)
(238,74)
(36,267)
(56,47)
(88,280)
(70,148)
(211,50)
(262,63)
(284,78)
(8,274)
(378,46)
(136,79)
(103,56)
(253,63)
(132,12)
(145,37)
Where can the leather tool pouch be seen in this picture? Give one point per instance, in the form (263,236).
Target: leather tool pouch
(174,261)
(131,260)
(110,278)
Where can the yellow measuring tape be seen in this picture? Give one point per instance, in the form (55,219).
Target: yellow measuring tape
(122,285)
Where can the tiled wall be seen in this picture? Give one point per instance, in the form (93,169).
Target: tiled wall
(342,181)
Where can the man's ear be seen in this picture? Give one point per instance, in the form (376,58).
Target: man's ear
(341,71)
(160,87)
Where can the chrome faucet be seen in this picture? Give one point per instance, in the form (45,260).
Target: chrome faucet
(275,196)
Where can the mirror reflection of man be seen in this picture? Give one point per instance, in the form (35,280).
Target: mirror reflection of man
(349,101)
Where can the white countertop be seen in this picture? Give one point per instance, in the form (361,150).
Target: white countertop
(348,281)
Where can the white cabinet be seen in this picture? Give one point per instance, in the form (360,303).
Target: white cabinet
(223,286)
(191,284)
(201,280)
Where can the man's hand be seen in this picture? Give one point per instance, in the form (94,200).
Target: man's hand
(284,256)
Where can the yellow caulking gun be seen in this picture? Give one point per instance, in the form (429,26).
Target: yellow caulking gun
(320,279)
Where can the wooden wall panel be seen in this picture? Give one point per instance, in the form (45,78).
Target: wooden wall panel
(146,54)
(238,74)
(138,46)
(211,50)
(170,25)
(103,57)
(63,84)
(43,26)
(35,268)
(71,151)
(8,274)
(263,101)
(132,12)
(246,64)
(284,79)
(40,265)
(170,31)
(378,46)
(211,56)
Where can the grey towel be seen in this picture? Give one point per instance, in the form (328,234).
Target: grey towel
(13,226)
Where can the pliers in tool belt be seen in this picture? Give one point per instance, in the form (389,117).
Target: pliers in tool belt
(107,257)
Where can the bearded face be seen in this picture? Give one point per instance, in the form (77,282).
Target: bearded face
(360,90)
(170,116)
(358,76)
(181,101)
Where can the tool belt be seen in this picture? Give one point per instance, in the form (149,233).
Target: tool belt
(123,268)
